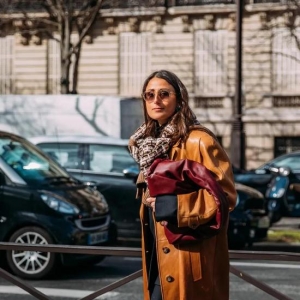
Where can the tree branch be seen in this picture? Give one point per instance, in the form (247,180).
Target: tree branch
(89,24)
(51,8)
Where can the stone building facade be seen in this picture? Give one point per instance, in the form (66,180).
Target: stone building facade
(196,39)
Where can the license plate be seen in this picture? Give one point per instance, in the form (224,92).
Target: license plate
(264,222)
(97,238)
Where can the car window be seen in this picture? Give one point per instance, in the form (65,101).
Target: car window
(109,158)
(31,164)
(67,155)
(292,162)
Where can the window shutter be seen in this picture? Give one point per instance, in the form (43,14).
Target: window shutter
(210,63)
(285,61)
(7,64)
(54,69)
(135,57)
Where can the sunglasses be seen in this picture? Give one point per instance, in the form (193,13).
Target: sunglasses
(161,94)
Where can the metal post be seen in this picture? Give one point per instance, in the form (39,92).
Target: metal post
(237,149)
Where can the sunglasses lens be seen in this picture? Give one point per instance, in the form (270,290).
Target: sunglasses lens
(149,96)
(164,95)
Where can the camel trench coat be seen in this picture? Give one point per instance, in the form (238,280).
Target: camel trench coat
(199,270)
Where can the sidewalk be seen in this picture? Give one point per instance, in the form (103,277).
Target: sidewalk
(284,224)
(287,223)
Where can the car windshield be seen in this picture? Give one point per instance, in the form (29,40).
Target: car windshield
(291,161)
(32,165)
(110,158)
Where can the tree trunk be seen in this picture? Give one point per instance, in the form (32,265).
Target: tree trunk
(77,54)
(65,48)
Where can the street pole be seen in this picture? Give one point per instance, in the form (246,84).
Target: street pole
(237,149)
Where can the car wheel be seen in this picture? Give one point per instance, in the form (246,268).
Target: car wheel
(31,264)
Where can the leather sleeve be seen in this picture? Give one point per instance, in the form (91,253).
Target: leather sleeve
(199,207)
(166,208)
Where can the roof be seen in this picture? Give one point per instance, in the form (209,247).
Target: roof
(98,139)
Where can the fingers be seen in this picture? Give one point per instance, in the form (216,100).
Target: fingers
(151,202)
(164,223)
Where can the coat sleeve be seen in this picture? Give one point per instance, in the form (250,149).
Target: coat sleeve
(199,207)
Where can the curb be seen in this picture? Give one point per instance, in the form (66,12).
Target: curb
(271,246)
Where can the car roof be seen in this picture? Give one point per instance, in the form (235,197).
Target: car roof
(107,140)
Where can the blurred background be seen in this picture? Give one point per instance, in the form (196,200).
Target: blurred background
(239,62)
(71,74)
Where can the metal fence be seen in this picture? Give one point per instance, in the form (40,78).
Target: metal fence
(136,252)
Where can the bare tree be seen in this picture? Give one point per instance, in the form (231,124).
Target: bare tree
(58,19)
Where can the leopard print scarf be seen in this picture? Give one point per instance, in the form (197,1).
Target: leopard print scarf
(145,150)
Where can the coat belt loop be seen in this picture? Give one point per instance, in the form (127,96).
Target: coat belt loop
(196,265)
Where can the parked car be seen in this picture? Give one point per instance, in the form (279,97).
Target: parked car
(253,204)
(107,162)
(260,178)
(41,203)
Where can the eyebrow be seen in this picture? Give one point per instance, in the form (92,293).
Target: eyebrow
(161,89)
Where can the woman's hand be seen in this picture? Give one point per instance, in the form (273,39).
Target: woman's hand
(151,202)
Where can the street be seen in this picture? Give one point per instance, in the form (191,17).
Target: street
(77,283)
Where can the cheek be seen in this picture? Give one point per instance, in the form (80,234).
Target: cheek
(172,107)
(148,108)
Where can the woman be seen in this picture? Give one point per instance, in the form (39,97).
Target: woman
(198,270)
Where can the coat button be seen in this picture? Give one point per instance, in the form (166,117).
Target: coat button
(166,250)
(169,278)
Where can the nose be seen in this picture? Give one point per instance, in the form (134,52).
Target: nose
(156,98)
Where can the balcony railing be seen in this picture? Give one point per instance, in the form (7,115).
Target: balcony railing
(286,2)
(38,6)
(202,2)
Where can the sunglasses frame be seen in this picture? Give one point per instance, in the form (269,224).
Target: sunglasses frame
(157,94)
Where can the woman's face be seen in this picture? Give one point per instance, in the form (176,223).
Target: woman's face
(160,99)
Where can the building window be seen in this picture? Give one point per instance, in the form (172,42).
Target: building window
(7,64)
(135,65)
(284,145)
(285,62)
(54,72)
(211,63)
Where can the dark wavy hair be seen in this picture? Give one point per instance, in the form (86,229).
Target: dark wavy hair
(184,117)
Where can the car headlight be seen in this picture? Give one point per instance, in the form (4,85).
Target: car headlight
(59,204)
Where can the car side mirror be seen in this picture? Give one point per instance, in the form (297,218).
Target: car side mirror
(131,172)
(91,184)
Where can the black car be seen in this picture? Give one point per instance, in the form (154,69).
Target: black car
(107,162)
(251,208)
(260,178)
(41,203)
